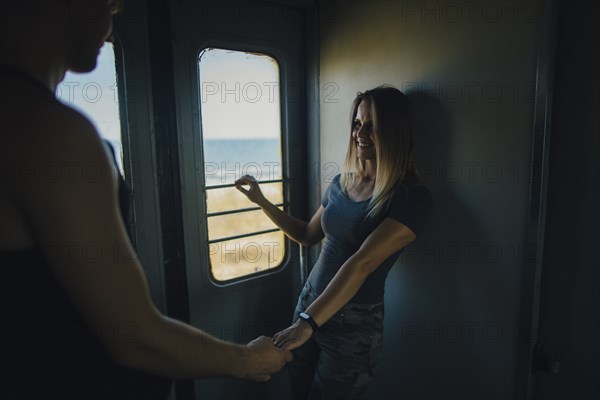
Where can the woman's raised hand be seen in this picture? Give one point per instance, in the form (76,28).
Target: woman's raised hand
(254,194)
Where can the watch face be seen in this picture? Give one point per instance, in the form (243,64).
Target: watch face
(304,315)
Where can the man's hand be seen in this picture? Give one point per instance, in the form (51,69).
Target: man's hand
(263,359)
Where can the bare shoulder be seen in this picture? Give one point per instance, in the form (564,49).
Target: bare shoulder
(51,129)
(51,147)
(50,136)
(51,161)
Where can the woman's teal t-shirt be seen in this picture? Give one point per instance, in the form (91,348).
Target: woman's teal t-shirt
(346,226)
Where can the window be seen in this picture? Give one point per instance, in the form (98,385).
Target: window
(95,95)
(241,134)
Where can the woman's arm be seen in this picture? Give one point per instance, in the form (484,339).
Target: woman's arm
(306,234)
(75,219)
(388,238)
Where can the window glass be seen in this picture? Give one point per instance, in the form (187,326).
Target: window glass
(95,95)
(241,135)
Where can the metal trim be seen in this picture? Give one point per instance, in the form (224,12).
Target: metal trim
(243,235)
(228,185)
(534,238)
(239,210)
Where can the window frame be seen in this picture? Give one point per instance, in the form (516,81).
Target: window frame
(239,45)
(134,92)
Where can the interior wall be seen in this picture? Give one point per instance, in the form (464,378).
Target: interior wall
(469,69)
(570,299)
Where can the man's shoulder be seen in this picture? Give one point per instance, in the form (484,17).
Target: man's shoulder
(60,119)
(50,127)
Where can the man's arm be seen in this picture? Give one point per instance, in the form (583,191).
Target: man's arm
(77,210)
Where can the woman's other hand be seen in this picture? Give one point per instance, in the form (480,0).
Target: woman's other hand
(254,194)
(293,337)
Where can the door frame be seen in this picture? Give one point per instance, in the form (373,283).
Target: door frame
(534,236)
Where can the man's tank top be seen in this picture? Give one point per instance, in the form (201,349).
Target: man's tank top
(47,350)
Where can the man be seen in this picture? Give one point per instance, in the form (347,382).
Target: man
(73,321)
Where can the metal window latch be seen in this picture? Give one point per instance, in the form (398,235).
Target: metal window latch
(542,362)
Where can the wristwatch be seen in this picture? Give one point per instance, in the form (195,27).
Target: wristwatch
(310,321)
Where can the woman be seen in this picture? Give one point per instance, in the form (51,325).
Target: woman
(369,213)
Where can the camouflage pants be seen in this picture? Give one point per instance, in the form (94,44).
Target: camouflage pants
(340,360)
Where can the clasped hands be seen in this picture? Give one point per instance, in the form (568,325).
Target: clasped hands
(294,336)
(274,353)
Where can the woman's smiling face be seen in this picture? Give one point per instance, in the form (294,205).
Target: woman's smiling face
(362,132)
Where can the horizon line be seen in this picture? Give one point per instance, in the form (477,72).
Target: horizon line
(241,138)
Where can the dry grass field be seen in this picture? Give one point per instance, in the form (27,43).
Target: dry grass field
(232,259)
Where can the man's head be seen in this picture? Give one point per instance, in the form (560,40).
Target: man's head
(89,25)
(69,31)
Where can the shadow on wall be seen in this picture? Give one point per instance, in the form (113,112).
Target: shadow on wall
(474,270)
(431,351)
(451,220)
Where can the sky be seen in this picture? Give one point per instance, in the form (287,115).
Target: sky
(239,95)
(95,94)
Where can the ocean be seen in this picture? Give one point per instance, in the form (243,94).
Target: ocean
(225,160)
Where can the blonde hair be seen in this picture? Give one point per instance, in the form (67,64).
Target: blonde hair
(393,140)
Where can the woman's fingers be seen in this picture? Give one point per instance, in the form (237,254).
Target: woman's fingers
(280,338)
(289,344)
(253,193)
(246,180)
(289,338)
(241,189)
(281,343)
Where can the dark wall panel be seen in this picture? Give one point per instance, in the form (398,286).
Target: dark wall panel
(570,293)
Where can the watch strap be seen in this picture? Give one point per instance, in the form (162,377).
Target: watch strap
(310,321)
